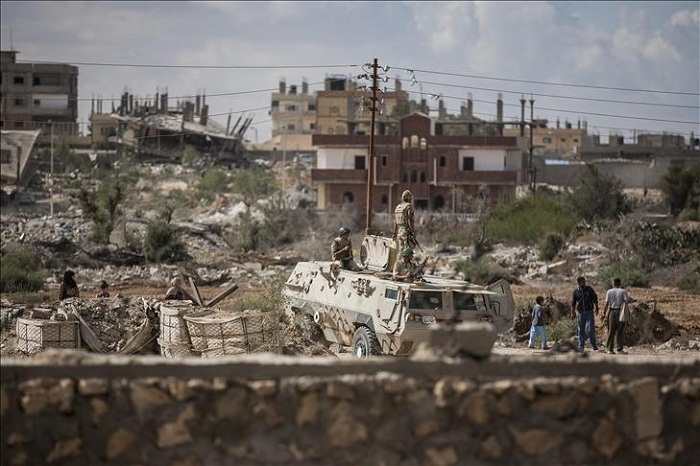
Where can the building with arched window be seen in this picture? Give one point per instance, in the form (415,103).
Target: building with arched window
(446,173)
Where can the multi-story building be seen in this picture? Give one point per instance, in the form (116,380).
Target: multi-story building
(38,96)
(445,173)
(555,142)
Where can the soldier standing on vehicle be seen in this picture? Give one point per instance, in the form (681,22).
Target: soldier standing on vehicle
(404,215)
(341,250)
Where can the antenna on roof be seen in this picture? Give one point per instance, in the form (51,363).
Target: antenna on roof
(11,47)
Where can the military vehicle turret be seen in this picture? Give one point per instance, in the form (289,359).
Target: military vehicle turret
(374,314)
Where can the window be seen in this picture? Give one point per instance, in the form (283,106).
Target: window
(312,107)
(443,161)
(334,111)
(546,140)
(414,141)
(19,102)
(384,160)
(439,202)
(36,81)
(291,126)
(37,103)
(291,108)
(391,293)
(404,143)
(312,126)
(464,301)
(360,162)
(385,200)
(414,176)
(426,300)
(422,177)
(405,177)
(348,198)
(575,139)
(19,79)
(468,164)
(423,143)
(6,156)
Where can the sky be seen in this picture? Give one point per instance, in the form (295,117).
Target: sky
(621,68)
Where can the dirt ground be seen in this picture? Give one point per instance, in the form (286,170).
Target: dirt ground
(681,310)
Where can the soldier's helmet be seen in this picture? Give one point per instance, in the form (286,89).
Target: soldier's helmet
(407,252)
(342,231)
(406,195)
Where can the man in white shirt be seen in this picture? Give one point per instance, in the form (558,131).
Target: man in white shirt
(615,298)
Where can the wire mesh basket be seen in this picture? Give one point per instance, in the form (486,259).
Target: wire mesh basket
(35,335)
(176,350)
(218,336)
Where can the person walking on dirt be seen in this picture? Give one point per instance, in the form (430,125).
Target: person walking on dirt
(341,250)
(615,298)
(584,303)
(404,219)
(69,287)
(538,328)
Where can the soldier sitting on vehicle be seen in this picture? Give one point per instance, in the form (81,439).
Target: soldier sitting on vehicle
(405,269)
(341,251)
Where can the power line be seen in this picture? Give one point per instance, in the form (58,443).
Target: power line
(577,112)
(564,97)
(226,67)
(443,73)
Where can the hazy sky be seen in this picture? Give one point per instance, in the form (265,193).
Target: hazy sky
(619,66)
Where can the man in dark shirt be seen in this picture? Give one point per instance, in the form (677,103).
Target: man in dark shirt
(584,304)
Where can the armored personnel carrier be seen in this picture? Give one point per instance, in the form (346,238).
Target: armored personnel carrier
(374,314)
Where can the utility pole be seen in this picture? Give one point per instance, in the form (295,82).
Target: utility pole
(51,174)
(532,122)
(372,74)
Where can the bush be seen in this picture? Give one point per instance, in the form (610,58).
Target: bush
(163,243)
(483,272)
(691,282)
(630,272)
(561,330)
(681,187)
(598,196)
(529,219)
(21,271)
(214,181)
(550,246)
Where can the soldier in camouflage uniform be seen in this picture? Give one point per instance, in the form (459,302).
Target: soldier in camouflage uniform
(341,250)
(404,215)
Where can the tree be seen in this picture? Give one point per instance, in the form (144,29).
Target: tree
(102,206)
(599,196)
(681,188)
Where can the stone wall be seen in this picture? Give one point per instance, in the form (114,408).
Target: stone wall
(75,408)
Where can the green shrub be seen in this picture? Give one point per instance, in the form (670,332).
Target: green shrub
(163,243)
(20,270)
(630,272)
(563,329)
(529,219)
(691,282)
(598,196)
(190,155)
(483,272)
(214,181)
(550,246)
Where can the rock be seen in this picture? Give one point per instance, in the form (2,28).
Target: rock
(118,443)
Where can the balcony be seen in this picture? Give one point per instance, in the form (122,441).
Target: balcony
(324,175)
(320,175)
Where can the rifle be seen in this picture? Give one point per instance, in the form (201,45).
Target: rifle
(412,238)
(418,271)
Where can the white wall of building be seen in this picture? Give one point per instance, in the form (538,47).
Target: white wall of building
(338,158)
(493,159)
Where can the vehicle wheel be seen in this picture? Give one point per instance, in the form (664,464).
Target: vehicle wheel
(365,343)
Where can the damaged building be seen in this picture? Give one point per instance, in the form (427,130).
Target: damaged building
(153,130)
